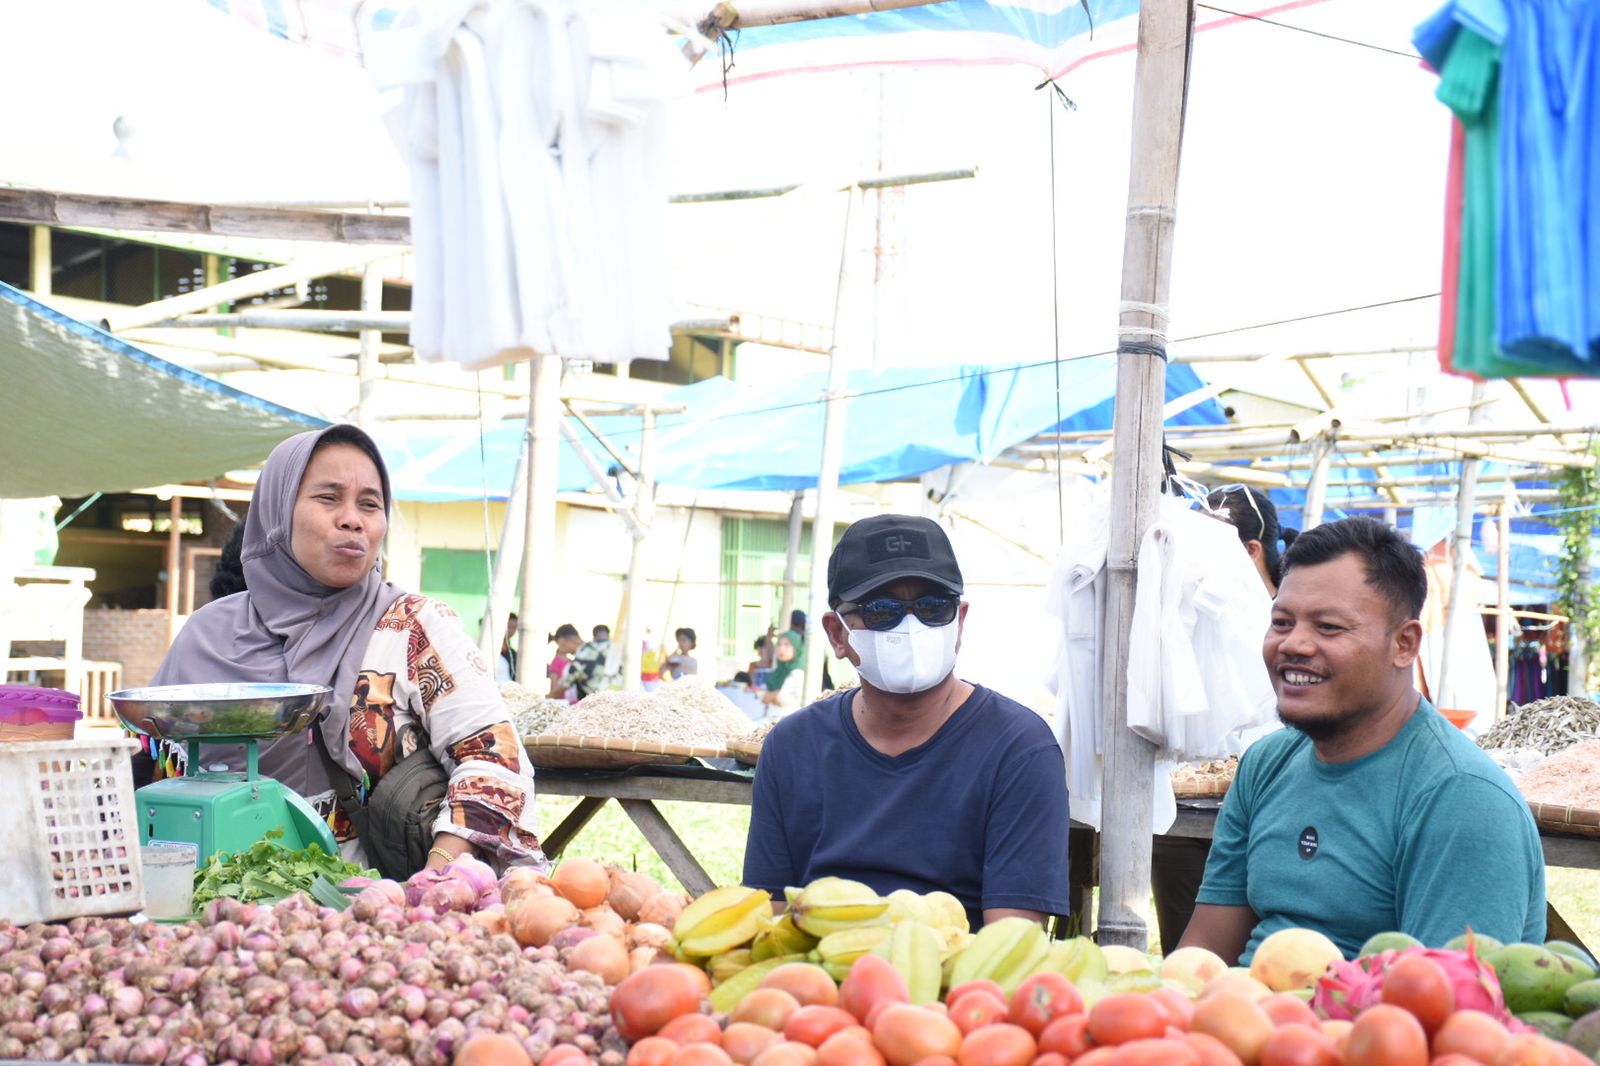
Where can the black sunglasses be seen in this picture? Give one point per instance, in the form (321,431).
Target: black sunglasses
(884,613)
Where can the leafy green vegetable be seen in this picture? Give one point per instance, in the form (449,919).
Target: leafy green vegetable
(268,871)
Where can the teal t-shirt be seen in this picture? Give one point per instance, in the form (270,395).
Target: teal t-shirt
(1426,835)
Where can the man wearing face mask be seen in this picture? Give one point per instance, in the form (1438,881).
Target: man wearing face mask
(917,779)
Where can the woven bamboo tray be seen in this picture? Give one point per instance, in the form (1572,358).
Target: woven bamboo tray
(746,751)
(1555,818)
(604,753)
(1186,784)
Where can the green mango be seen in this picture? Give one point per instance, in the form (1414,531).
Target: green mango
(1549,1023)
(1381,942)
(1582,998)
(1533,978)
(1575,953)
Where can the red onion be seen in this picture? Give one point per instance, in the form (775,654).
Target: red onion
(312,1047)
(409,1001)
(451,895)
(350,970)
(127,1002)
(475,871)
(151,1050)
(359,1002)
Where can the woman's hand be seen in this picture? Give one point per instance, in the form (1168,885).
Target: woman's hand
(450,845)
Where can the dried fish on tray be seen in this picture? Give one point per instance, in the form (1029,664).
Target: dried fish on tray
(624,728)
(1206,780)
(1563,791)
(1546,725)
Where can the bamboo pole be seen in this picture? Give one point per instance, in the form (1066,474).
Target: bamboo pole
(539,539)
(174,553)
(367,360)
(1460,548)
(1578,650)
(369,318)
(833,420)
(874,181)
(747,13)
(1502,618)
(240,288)
(1161,86)
(507,560)
(1317,488)
(791,561)
(633,627)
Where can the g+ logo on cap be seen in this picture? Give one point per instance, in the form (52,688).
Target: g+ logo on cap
(898,545)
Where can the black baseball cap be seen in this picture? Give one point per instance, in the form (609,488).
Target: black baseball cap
(889,547)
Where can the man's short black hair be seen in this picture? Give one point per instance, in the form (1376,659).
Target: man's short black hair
(600,633)
(685,631)
(1393,564)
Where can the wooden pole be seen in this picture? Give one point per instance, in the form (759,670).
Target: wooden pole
(167,216)
(1578,649)
(746,13)
(1160,93)
(791,562)
(174,557)
(1460,549)
(833,419)
(1502,600)
(633,602)
(40,268)
(536,616)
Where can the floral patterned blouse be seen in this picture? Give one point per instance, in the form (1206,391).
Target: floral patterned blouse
(423,680)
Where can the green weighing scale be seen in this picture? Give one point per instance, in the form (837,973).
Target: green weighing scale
(223,810)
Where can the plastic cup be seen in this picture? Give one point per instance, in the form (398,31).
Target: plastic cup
(168,879)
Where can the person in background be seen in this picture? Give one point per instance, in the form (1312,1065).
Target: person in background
(797,626)
(596,666)
(755,674)
(505,664)
(784,687)
(682,661)
(567,641)
(228,578)
(1371,812)
(402,670)
(1178,864)
(916,779)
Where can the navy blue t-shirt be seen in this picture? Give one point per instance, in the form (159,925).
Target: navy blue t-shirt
(979,810)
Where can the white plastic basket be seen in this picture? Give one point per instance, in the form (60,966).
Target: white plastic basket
(70,832)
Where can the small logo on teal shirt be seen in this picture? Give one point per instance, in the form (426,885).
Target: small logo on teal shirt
(1308,842)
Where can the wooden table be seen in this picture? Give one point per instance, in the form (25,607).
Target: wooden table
(638,793)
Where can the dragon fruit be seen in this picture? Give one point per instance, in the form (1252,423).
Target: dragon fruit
(1348,988)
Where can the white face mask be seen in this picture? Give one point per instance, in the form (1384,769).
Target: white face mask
(911,657)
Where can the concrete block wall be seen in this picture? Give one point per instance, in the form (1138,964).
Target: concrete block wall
(136,639)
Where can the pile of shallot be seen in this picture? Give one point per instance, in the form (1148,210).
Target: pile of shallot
(407,974)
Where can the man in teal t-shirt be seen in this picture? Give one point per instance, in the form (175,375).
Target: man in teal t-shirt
(1372,812)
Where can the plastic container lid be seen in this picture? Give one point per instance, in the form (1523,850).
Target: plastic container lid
(31,704)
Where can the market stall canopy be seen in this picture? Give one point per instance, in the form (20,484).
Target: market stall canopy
(85,412)
(903,422)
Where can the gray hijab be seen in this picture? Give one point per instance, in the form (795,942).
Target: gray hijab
(288,626)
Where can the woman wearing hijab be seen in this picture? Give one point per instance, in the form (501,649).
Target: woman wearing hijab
(786,679)
(403,671)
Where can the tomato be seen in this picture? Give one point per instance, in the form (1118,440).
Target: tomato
(701,1055)
(1385,1035)
(1002,1044)
(1041,999)
(692,1029)
(651,1051)
(906,1034)
(870,982)
(1529,1049)
(786,1053)
(1418,984)
(770,1007)
(1128,1016)
(1212,1051)
(976,1009)
(811,1025)
(701,979)
(1050,1058)
(743,1041)
(562,1055)
(1471,1033)
(1454,1059)
(1068,1037)
(1337,1030)
(652,997)
(967,986)
(849,1047)
(935,1060)
(1178,1005)
(1285,1009)
(1100,1056)
(489,1049)
(1299,1045)
(1163,1052)
(1237,1021)
(806,982)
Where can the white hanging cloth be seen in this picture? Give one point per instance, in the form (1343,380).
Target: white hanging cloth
(535,134)
(1195,674)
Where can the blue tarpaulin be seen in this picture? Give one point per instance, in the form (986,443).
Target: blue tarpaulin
(900,423)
